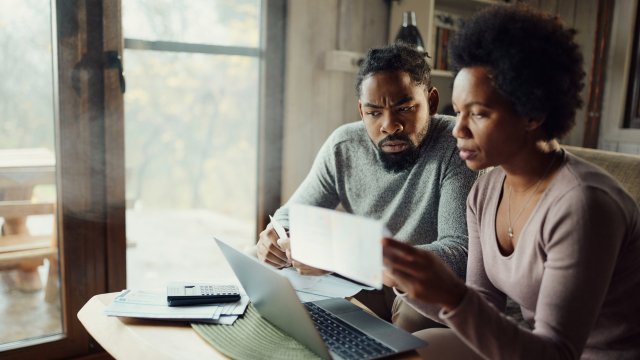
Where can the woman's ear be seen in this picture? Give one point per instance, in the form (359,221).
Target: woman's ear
(534,123)
(434,99)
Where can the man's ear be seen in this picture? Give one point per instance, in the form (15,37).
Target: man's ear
(434,99)
(360,109)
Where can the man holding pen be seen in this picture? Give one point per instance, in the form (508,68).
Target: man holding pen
(282,247)
(399,164)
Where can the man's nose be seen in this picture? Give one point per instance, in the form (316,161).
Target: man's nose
(390,125)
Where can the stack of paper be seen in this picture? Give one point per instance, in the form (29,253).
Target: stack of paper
(312,288)
(153,305)
(336,241)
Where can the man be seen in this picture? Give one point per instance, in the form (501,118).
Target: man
(399,165)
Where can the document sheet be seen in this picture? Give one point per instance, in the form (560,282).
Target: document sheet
(335,241)
(312,288)
(152,304)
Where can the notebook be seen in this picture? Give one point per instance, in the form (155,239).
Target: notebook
(331,328)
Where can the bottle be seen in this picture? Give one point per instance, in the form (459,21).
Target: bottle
(409,34)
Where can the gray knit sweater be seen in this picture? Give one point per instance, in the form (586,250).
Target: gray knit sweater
(424,205)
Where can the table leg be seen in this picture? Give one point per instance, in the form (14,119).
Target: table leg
(27,277)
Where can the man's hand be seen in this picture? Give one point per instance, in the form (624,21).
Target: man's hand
(421,275)
(308,270)
(277,252)
(272,251)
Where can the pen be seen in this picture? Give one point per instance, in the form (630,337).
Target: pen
(282,236)
(282,233)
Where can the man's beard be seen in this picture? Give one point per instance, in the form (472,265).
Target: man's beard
(401,161)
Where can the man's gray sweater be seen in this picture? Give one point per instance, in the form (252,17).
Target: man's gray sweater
(424,205)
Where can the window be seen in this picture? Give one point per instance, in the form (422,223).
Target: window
(632,106)
(61,94)
(192,122)
(28,247)
(616,133)
(67,102)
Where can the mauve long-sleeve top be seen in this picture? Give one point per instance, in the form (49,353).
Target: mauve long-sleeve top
(575,272)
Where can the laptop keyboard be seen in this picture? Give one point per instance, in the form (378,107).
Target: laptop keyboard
(344,339)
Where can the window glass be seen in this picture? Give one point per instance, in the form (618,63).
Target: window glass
(29,277)
(191,122)
(227,23)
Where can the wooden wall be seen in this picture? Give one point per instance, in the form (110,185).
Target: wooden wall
(581,15)
(318,100)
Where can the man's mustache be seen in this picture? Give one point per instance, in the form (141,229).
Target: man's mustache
(394,137)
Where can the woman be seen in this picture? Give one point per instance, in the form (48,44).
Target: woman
(553,232)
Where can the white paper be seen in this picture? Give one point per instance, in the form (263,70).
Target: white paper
(226,320)
(321,287)
(309,297)
(152,304)
(236,308)
(335,241)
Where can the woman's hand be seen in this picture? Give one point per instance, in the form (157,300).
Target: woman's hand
(389,281)
(421,275)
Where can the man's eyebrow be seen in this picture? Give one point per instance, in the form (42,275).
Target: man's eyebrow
(375,106)
(399,102)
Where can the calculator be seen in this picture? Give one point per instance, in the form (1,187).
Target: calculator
(183,294)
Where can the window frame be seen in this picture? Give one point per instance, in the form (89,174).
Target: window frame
(89,123)
(271,55)
(271,110)
(617,70)
(88,117)
(632,106)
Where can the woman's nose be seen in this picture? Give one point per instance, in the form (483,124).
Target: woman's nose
(390,125)
(460,130)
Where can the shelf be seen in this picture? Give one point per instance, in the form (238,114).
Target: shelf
(442,73)
(435,32)
(340,60)
(467,3)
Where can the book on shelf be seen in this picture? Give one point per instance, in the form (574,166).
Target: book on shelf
(446,24)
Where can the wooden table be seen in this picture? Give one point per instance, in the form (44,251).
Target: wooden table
(127,338)
(26,167)
(20,171)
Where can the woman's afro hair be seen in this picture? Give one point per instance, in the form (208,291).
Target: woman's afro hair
(531,58)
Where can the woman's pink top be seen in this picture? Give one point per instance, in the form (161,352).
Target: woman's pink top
(575,271)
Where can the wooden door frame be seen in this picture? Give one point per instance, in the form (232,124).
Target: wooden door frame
(90,168)
(271,110)
(596,82)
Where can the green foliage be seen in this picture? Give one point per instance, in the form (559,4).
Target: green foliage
(191,120)
(26,71)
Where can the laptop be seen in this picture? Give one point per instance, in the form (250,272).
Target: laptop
(331,328)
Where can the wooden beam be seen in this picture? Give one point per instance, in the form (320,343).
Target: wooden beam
(270,127)
(12,209)
(597,74)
